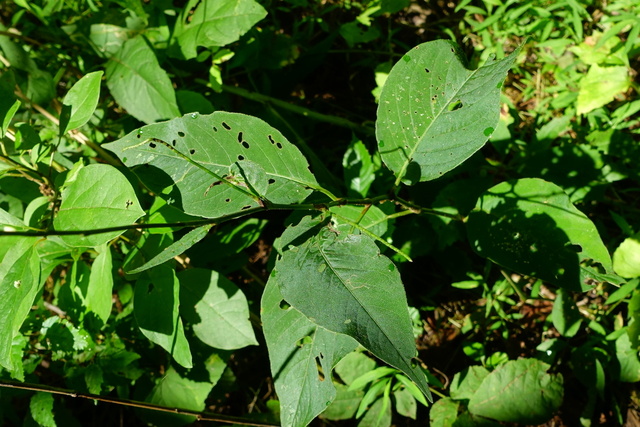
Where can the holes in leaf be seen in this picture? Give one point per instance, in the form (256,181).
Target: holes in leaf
(181,134)
(152,145)
(240,137)
(271,181)
(244,208)
(453,50)
(173,142)
(284,305)
(240,157)
(138,136)
(215,129)
(319,368)
(271,139)
(427,70)
(226,126)
(279,145)
(227,200)
(455,105)
(245,144)
(192,151)
(150,288)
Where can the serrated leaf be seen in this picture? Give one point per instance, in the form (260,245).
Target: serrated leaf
(212,24)
(82,99)
(100,197)
(216,309)
(302,356)
(20,282)
(520,391)
(156,309)
(219,163)
(367,299)
(434,112)
(530,225)
(99,292)
(139,85)
(175,249)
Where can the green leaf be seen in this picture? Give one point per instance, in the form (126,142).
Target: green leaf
(628,359)
(529,225)
(98,298)
(367,299)
(359,169)
(600,86)
(302,356)
(565,315)
(155,306)
(345,404)
(8,221)
(20,281)
(139,85)
(466,383)
(82,98)
(220,163)
(354,365)
(443,413)
(434,113)
(520,391)
(175,391)
(211,24)
(216,309)
(175,249)
(626,258)
(371,376)
(379,415)
(100,197)
(41,407)
(405,403)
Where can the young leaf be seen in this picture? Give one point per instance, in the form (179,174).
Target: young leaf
(212,24)
(530,226)
(100,197)
(175,249)
(139,85)
(155,306)
(434,112)
(520,391)
(19,284)
(302,356)
(82,99)
(365,294)
(216,309)
(98,298)
(220,163)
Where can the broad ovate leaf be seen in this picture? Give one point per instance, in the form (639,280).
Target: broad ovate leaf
(216,309)
(342,283)
(302,356)
(626,258)
(520,391)
(139,84)
(99,197)
(434,112)
(218,164)
(215,23)
(156,303)
(530,226)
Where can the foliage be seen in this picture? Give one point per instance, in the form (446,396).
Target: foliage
(203,211)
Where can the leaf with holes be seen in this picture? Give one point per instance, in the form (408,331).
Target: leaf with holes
(434,112)
(218,164)
(155,306)
(367,299)
(99,197)
(139,85)
(529,225)
(210,24)
(302,357)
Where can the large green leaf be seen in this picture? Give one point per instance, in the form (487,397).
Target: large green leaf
(216,309)
(156,304)
(220,163)
(20,281)
(520,391)
(529,225)
(215,23)
(139,85)
(99,197)
(434,113)
(342,283)
(302,356)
